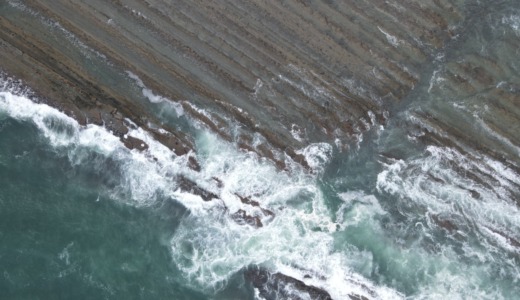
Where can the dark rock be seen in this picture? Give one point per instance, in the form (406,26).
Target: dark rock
(67,85)
(247,200)
(189,186)
(134,143)
(474,194)
(242,218)
(436,179)
(299,158)
(193,164)
(512,241)
(219,182)
(117,127)
(175,142)
(280,286)
(357,297)
(446,224)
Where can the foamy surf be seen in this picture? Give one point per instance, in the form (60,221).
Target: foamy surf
(209,246)
(445,192)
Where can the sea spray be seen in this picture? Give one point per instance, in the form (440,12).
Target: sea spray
(462,219)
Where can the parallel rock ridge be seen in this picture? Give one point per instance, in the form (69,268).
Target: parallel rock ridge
(475,108)
(270,76)
(295,72)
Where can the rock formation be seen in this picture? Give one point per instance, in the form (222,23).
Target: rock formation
(291,72)
(270,76)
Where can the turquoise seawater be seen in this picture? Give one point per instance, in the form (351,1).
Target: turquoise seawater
(62,238)
(84,217)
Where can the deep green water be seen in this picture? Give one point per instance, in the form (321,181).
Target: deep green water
(62,238)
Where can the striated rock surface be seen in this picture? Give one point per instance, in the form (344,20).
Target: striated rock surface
(272,76)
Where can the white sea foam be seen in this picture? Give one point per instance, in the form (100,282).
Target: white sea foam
(316,90)
(209,247)
(43,116)
(435,80)
(142,177)
(407,178)
(146,91)
(297,132)
(258,85)
(64,255)
(153,98)
(297,241)
(357,207)
(358,88)
(480,122)
(317,155)
(436,183)
(513,21)
(393,40)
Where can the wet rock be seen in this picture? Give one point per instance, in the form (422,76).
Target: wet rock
(266,71)
(436,179)
(280,165)
(118,116)
(249,201)
(474,194)
(242,218)
(444,223)
(65,84)
(279,286)
(357,297)
(193,164)
(189,186)
(94,117)
(219,182)
(117,127)
(134,143)
(175,141)
(512,241)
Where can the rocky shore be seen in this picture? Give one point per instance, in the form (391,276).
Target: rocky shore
(292,72)
(270,76)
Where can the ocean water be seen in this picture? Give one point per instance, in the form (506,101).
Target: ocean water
(398,216)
